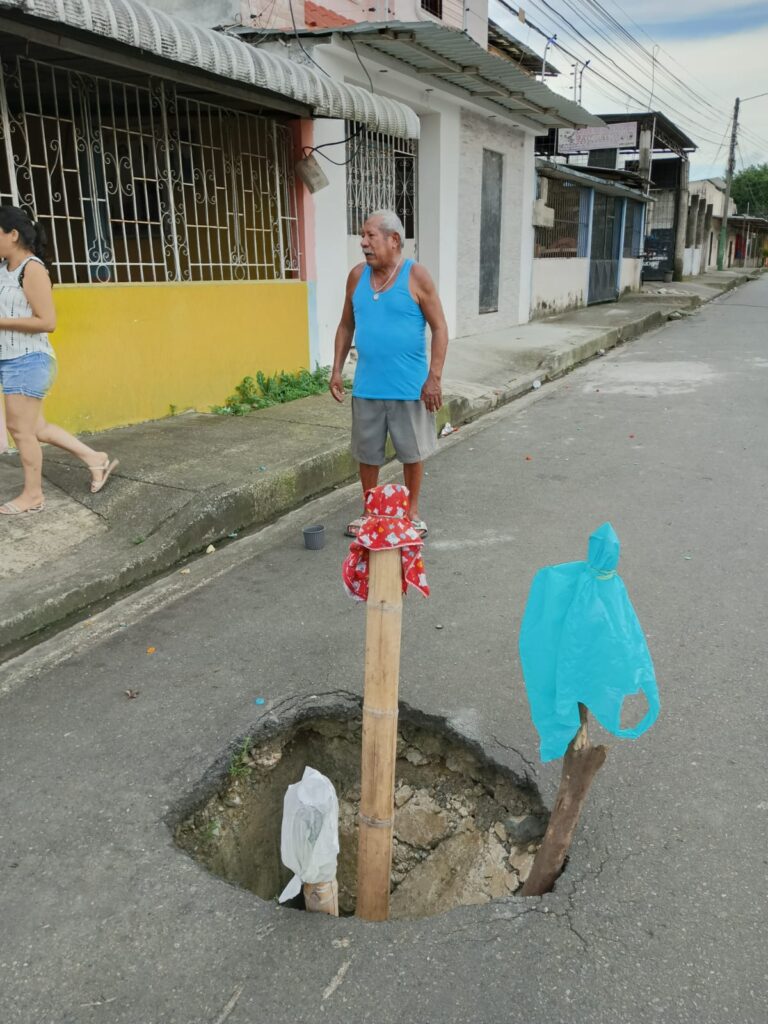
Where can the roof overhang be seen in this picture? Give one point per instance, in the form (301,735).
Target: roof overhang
(611,188)
(130,35)
(455,62)
(511,48)
(666,134)
(749,221)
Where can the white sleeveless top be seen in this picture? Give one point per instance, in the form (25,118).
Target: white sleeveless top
(14,304)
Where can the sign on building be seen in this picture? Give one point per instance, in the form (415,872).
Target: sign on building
(608,136)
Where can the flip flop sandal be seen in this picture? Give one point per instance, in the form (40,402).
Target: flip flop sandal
(106,470)
(354,527)
(420,526)
(9,509)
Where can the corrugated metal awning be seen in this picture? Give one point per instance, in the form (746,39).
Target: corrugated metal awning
(171,38)
(579,177)
(458,64)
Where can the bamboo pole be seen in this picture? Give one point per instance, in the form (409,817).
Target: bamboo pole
(581,763)
(322,897)
(377,781)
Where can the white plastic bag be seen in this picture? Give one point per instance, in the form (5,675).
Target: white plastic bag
(309,841)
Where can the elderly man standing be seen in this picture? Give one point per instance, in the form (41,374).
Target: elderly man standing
(389,301)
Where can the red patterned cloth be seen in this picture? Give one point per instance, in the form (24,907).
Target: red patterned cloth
(386,525)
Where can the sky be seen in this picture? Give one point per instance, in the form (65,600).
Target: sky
(716,48)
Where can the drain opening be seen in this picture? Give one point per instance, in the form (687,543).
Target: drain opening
(466,829)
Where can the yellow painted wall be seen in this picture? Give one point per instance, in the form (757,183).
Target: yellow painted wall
(128,352)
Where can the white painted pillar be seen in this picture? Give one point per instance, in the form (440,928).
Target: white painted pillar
(527,232)
(439,202)
(330,239)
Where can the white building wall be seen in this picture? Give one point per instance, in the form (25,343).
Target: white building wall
(449,182)
(208,14)
(478,133)
(440,200)
(630,279)
(559,284)
(330,239)
(526,228)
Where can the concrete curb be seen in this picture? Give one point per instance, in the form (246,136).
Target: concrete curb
(211,515)
(207,518)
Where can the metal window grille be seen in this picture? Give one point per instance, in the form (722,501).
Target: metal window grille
(138,183)
(566,237)
(433,7)
(382,174)
(633,233)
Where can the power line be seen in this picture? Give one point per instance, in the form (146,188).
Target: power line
(571,30)
(301,45)
(697,96)
(575,33)
(619,27)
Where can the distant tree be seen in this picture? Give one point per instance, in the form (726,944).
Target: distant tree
(750,188)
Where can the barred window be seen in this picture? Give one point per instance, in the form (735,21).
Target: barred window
(568,235)
(381,175)
(139,183)
(633,230)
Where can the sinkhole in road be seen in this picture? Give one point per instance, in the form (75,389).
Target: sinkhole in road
(466,828)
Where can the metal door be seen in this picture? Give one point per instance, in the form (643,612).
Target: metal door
(490,230)
(661,220)
(606,249)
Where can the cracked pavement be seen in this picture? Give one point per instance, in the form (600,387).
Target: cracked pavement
(661,913)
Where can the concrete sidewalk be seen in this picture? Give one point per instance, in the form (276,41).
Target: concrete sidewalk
(188,481)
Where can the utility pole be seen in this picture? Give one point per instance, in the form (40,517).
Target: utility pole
(551,40)
(728,182)
(746,243)
(584,67)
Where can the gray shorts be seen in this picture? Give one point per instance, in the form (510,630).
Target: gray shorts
(411,427)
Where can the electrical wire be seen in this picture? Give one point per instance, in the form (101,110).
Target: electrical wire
(682,90)
(626,82)
(301,45)
(348,36)
(580,38)
(265,29)
(310,150)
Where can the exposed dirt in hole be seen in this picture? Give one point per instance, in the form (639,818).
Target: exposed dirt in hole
(466,829)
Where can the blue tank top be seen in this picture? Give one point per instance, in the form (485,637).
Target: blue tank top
(390,337)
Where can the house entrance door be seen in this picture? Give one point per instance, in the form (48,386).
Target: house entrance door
(606,249)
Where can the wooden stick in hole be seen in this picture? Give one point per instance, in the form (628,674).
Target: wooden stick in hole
(581,763)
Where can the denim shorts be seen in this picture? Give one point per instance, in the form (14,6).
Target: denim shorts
(31,375)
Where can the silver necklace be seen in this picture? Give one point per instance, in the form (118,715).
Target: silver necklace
(377,291)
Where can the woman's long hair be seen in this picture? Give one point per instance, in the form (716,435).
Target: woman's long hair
(32,236)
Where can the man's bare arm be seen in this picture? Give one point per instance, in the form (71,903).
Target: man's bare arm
(345,332)
(432,308)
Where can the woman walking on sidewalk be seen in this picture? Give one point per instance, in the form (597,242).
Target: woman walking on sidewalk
(28,363)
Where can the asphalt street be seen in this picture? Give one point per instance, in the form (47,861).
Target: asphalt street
(661,915)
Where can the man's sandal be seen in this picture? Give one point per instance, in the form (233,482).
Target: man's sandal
(354,527)
(9,509)
(106,471)
(420,526)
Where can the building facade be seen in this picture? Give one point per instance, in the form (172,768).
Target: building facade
(159,158)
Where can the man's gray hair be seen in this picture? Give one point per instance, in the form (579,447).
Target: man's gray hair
(389,223)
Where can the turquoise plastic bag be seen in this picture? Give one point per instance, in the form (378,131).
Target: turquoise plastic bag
(581,643)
